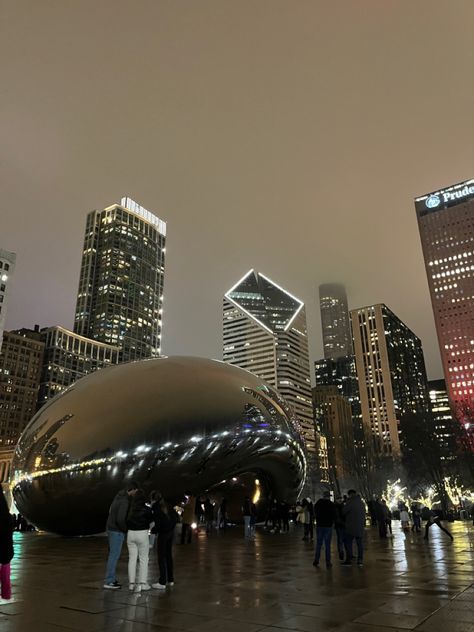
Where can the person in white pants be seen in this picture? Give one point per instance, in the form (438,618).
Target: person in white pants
(138,523)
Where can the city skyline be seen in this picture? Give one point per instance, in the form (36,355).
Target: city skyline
(228,148)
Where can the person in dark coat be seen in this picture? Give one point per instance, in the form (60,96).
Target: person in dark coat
(325,513)
(435,519)
(381,513)
(6,547)
(165,518)
(116,531)
(354,521)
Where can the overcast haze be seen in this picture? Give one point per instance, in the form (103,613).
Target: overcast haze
(290,136)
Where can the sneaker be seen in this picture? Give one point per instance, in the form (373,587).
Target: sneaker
(315,564)
(360,564)
(170,583)
(146,586)
(131,587)
(138,588)
(158,586)
(113,586)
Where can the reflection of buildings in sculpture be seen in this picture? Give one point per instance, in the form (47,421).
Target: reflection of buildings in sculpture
(68,357)
(335,324)
(7,266)
(446,225)
(442,418)
(20,369)
(179,424)
(334,416)
(264,332)
(120,296)
(391,373)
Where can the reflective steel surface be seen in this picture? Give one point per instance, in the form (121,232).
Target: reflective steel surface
(177,424)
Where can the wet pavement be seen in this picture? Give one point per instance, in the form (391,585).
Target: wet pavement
(224,583)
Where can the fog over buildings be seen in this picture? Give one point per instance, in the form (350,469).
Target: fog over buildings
(292,137)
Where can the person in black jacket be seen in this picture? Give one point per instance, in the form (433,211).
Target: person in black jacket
(116,532)
(6,547)
(325,514)
(139,519)
(165,518)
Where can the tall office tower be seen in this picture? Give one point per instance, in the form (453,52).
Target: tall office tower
(446,224)
(7,266)
(264,331)
(120,297)
(68,357)
(337,338)
(391,373)
(442,418)
(334,416)
(20,368)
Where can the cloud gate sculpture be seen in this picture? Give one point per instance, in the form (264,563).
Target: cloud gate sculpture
(177,424)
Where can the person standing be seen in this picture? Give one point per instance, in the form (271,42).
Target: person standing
(187,518)
(388,519)
(165,518)
(6,547)
(354,519)
(223,514)
(435,519)
(325,514)
(405,519)
(416,517)
(138,522)
(285,516)
(253,520)
(116,530)
(209,515)
(305,519)
(247,514)
(381,514)
(339,526)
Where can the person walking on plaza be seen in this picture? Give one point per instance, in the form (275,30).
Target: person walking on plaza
(405,519)
(187,518)
(165,518)
(116,531)
(247,514)
(325,514)
(6,547)
(388,519)
(285,516)
(138,523)
(434,519)
(354,520)
(339,526)
(416,517)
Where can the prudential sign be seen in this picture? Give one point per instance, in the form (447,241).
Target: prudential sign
(449,195)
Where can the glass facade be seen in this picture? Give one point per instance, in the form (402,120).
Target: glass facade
(264,331)
(391,374)
(446,224)
(20,368)
(120,296)
(68,357)
(335,324)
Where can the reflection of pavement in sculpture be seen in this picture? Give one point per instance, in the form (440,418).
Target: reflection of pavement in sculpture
(177,424)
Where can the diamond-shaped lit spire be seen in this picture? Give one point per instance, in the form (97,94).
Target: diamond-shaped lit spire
(269,304)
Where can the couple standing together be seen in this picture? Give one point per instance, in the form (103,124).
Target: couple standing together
(130,517)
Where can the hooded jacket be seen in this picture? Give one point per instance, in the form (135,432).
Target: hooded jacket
(117,520)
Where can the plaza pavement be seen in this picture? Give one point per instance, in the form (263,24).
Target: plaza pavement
(224,583)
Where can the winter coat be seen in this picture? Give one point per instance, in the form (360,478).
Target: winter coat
(117,520)
(6,540)
(164,522)
(354,516)
(325,513)
(140,515)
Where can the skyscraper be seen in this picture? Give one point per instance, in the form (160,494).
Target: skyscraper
(20,368)
(264,331)
(337,338)
(120,296)
(442,418)
(68,357)
(334,416)
(391,373)
(446,224)
(7,266)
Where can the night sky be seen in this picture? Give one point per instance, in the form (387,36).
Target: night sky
(289,136)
